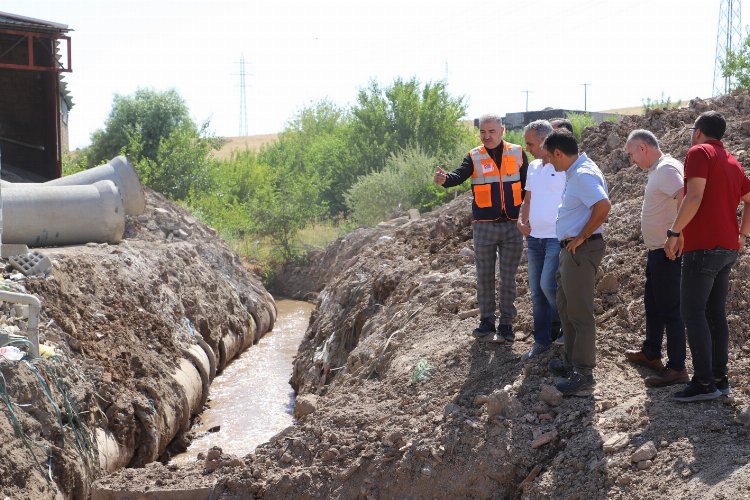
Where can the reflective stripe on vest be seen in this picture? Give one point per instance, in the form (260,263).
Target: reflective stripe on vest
(486,171)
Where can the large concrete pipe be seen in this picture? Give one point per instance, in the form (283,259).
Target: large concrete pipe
(112,455)
(39,215)
(200,360)
(230,346)
(118,170)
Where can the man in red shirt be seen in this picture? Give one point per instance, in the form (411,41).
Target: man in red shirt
(707,235)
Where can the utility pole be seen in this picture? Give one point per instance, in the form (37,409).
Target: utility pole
(728,38)
(527,98)
(585,88)
(243,102)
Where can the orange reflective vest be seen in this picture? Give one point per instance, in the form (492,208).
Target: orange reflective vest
(497,191)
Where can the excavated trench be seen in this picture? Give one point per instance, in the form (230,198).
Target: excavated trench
(252,400)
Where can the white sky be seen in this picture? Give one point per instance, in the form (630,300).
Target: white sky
(301,51)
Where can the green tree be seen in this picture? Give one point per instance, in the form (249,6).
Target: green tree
(181,163)
(318,140)
(404,114)
(148,114)
(736,66)
(289,203)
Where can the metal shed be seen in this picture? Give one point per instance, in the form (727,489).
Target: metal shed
(34,102)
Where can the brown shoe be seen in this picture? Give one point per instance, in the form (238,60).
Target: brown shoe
(668,376)
(639,358)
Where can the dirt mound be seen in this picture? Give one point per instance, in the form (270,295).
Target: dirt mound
(407,404)
(122,317)
(397,400)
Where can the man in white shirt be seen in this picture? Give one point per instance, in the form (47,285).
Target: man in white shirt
(664,193)
(545,187)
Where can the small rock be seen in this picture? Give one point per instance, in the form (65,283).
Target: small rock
(623,480)
(466,253)
(305,405)
(644,464)
(414,214)
(613,141)
(503,404)
(392,439)
(616,441)
(545,438)
(540,408)
(468,314)
(427,471)
(480,400)
(743,417)
(608,284)
(647,451)
(550,395)
(286,458)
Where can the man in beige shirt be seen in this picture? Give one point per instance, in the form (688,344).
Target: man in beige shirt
(664,192)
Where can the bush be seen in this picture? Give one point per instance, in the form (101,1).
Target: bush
(580,121)
(406,182)
(661,103)
(515,137)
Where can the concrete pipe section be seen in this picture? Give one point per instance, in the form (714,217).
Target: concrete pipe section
(40,215)
(118,170)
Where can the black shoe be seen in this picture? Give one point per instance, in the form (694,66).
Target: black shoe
(506,332)
(723,385)
(486,327)
(577,384)
(558,368)
(695,391)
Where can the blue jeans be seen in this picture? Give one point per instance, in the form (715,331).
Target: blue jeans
(544,257)
(703,299)
(662,300)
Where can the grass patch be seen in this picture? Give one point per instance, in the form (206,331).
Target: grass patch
(422,371)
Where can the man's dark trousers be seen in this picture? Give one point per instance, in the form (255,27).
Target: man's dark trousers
(703,299)
(662,301)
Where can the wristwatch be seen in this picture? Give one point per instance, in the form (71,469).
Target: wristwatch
(672,234)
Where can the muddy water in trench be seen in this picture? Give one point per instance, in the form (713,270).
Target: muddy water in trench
(252,399)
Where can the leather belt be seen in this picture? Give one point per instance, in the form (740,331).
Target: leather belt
(595,236)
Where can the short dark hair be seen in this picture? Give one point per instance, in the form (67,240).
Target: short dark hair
(563,140)
(712,124)
(562,123)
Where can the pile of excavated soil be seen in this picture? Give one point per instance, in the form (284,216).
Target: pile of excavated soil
(397,400)
(121,318)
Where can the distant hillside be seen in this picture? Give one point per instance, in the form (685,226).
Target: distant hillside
(252,142)
(634,110)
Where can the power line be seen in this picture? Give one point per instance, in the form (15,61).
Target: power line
(728,39)
(243,101)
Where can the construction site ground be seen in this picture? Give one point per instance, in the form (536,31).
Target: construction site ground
(395,398)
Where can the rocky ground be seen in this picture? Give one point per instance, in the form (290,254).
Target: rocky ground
(404,403)
(395,397)
(120,318)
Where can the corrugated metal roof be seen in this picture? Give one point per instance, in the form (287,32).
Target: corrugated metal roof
(14,21)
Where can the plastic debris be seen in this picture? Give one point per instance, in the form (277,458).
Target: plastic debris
(11,353)
(47,351)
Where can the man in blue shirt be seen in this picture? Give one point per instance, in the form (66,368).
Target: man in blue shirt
(585,206)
